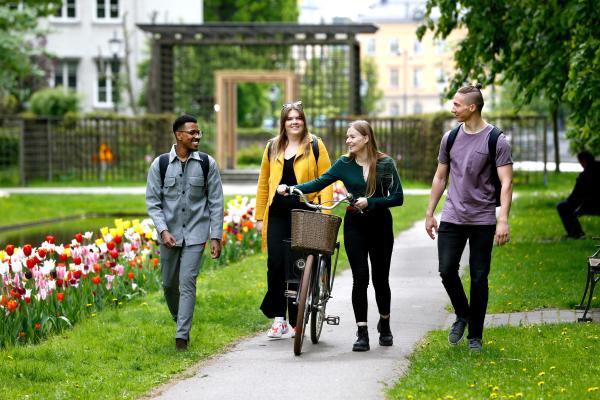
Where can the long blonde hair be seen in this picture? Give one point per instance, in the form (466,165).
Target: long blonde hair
(373,154)
(280,142)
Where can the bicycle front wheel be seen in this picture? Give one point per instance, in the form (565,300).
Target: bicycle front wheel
(319,299)
(304,304)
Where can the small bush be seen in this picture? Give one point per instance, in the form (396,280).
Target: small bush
(250,155)
(53,102)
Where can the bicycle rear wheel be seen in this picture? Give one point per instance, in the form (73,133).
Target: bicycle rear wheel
(319,299)
(304,304)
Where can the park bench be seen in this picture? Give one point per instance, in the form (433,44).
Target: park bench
(593,276)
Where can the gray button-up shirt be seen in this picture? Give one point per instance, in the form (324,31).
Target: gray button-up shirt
(182,206)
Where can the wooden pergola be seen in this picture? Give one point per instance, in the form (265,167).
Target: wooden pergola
(166,37)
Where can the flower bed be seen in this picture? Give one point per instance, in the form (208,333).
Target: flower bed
(48,288)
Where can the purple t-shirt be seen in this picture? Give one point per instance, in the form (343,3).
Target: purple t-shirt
(471,195)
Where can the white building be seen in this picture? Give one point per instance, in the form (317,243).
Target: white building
(80,35)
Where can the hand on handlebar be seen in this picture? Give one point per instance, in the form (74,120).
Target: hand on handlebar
(283,190)
(361,203)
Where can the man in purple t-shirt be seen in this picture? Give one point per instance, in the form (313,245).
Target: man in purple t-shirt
(469,212)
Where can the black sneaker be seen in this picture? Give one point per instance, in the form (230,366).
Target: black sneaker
(385,333)
(457,332)
(362,343)
(475,344)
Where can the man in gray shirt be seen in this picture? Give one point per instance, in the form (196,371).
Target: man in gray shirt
(187,210)
(469,212)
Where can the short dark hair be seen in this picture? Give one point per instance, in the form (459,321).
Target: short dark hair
(474,94)
(182,120)
(585,156)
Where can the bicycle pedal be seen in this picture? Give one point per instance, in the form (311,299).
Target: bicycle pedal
(290,293)
(332,320)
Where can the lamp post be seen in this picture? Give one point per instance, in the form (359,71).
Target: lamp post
(114,45)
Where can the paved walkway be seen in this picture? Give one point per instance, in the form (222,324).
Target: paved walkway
(259,368)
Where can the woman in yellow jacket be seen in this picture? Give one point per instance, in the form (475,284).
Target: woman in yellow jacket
(288,159)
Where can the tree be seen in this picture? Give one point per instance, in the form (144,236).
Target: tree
(251,10)
(373,94)
(546,49)
(20,43)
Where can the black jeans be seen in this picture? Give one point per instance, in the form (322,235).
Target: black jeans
(369,236)
(452,239)
(566,210)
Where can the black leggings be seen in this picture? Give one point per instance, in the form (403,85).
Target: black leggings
(369,236)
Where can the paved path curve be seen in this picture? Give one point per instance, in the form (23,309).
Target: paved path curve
(259,368)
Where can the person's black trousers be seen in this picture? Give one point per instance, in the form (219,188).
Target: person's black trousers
(369,236)
(452,239)
(566,210)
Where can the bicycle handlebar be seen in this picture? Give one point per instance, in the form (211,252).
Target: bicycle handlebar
(348,199)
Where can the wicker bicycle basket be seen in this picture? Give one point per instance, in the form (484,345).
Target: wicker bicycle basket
(314,231)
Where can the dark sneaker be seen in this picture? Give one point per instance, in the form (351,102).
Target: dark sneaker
(475,344)
(362,343)
(181,344)
(457,332)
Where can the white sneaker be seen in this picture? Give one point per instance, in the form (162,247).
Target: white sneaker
(292,332)
(279,328)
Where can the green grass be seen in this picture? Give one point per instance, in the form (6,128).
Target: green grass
(123,353)
(513,363)
(537,269)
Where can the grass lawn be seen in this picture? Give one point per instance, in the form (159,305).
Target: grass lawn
(127,351)
(536,270)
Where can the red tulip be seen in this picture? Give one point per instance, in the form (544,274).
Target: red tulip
(59,282)
(27,250)
(63,257)
(131,275)
(96,280)
(60,296)
(114,254)
(41,253)
(77,260)
(97,268)
(110,245)
(12,305)
(27,300)
(79,237)
(117,239)
(30,263)
(50,239)
(77,274)
(10,249)
(37,326)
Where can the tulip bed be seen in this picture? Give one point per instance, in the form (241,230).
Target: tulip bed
(48,288)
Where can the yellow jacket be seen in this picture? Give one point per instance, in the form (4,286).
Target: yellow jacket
(305,171)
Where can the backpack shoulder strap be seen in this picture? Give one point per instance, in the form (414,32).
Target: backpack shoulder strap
(315,146)
(451,139)
(492,142)
(205,165)
(163,163)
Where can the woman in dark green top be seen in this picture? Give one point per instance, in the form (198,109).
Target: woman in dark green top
(371,177)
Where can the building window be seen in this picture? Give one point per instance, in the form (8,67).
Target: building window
(371,46)
(440,47)
(394,77)
(108,91)
(417,107)
(440,75)
(65,74)
(417,77)
(107,9)
(394,47)
(394,109)
(418,47)
(67,10)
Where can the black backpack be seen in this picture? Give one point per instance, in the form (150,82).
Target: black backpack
(315,147)
(163,163)
(492,142)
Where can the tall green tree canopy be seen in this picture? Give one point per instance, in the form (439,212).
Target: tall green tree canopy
(548,49)
(251,10)
(18,21)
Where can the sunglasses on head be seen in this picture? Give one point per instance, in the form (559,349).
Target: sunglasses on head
(297,104)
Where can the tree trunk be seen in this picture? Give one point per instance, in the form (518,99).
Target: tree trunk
(555,134)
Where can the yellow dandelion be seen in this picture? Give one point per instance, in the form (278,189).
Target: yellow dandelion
(494,396)
(524,370)
(88,305)
(144,304)
(541,383)
(563,390)
(410,397)
(592,389)
(10,358)
(472,385)
(93,315)
(518,395)
(492,362)
(552,368)
(448,397)
(542,373)
(501,348)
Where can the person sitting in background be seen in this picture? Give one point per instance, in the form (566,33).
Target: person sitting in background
(585,197)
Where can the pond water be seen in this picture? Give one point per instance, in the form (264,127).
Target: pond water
(63,231)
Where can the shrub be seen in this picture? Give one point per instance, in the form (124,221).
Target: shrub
(250,155)
(53,102)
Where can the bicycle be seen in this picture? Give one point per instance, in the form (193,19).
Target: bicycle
(316,234)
